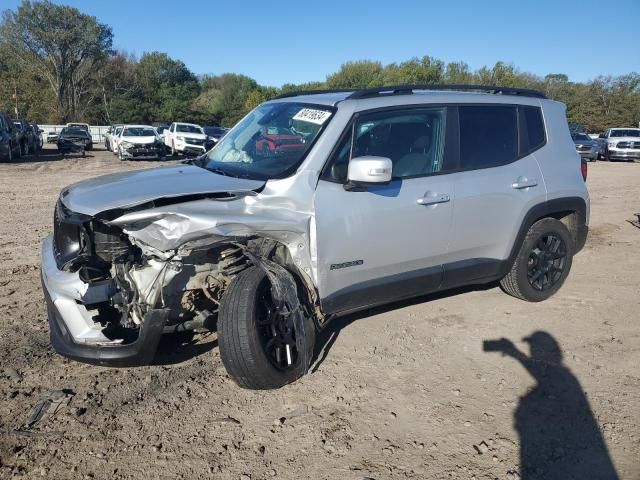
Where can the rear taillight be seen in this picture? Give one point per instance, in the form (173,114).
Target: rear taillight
(583,168)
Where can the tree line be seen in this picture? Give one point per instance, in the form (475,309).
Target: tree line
(58,64)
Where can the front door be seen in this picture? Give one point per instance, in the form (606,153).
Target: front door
(384,243)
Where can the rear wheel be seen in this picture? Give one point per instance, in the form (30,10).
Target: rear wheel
(9,157)
(543,262)
(257,344)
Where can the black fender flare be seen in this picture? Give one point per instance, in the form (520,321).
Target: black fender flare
(550,208)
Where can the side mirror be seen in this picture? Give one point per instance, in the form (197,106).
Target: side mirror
(369,170)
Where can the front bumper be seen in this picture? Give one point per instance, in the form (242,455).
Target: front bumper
(615,154)
(190,148)
(144,152)
(73,332)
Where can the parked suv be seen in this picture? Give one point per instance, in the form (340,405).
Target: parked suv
(621,143)
(397,192)
(27,136)
(9,140)
(185,138)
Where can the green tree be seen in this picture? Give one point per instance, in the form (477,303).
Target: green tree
(59,44)
(167,87)
(360,74)
(224,97)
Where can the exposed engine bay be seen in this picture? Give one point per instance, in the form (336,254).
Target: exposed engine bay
(127,278)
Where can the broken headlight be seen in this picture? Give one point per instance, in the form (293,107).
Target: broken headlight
(70,239)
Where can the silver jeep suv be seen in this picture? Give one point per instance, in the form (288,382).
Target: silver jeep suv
(314,205)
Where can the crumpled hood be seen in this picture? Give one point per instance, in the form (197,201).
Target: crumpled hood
(127,189)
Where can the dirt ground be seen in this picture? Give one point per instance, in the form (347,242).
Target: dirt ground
(406,391)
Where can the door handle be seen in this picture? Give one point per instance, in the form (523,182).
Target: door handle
(524,182)
(432,198)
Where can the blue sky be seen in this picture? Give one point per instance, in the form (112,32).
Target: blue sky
(282,41)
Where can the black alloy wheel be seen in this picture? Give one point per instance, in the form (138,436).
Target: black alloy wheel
(277,335)
(546,262)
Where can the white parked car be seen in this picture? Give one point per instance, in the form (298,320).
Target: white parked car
(621,143)
(185,138)
(109,136)
(113,139)
(140,142)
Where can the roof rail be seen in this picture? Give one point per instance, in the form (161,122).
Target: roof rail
(409,89)
(296,93)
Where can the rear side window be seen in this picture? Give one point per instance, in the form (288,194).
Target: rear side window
(488,136)
(533,135)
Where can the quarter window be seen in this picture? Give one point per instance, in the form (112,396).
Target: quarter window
(534,128)
(412,139)
(488,136)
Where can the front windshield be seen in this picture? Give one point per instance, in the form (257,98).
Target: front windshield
(581,136)
(139,132)
(270,142)
(188,129)
(74,132)
(625,133)
(215,130)
(118,130)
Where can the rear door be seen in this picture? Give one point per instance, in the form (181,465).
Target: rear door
(383,243)
(498,182)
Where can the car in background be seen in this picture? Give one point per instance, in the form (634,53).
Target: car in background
(215,133)
(9,140)
(621,143)
(84,126)
(27,138)
(160,128)
(52,136)
(37,132)
(113,139)
(276,140)
(586,147)
(140,142)
(74,140)
(185,138)
(109,136)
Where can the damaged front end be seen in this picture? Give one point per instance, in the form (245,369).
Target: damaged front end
(117,280)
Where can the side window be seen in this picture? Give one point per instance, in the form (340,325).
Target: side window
(532,134)
(412,139)
(488,136)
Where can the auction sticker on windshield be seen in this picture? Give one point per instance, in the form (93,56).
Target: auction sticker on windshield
(312,115)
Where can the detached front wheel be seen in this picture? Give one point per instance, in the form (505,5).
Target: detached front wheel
(257,343)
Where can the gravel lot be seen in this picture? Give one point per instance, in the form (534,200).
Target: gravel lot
(400,392)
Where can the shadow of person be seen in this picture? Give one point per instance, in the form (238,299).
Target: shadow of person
(559,437)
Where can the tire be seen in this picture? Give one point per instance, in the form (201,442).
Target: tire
(120,154)
(19,154)
(524,280)
(242,340)
(173,149)
(9,157)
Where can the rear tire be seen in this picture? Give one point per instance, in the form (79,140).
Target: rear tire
(543,262)
(243,335)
